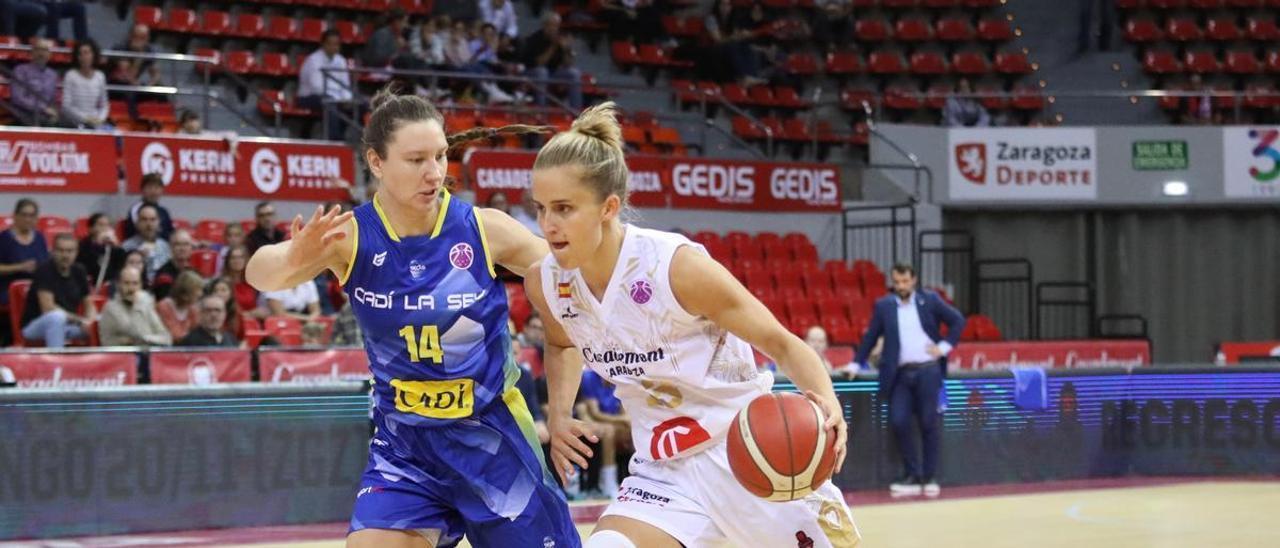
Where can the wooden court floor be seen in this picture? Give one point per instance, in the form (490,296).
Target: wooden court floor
(1202,514)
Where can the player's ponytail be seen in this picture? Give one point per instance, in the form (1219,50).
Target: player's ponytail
(390,110)
(594,143)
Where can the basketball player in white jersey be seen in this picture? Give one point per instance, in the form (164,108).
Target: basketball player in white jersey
(653,314)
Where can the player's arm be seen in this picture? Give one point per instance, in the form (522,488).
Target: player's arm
(563,365)
(512,245)
(324,242)
(705,288)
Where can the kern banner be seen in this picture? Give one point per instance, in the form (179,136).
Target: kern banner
(1251,162)
(313,366)
(1042,164)
(65,370)
(57,161)
(682,183)
(199,368)
(1067,354)
(253,169)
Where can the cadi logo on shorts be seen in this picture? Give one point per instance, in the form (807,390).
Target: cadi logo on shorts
(674,436)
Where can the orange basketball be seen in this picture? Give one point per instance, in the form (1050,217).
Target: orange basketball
(778,449)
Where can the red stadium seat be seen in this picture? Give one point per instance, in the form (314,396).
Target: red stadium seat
(783,270)
(761,95)
(937,93)
(843,63)
(150,16)
(788,97)
(994,29)
(182,224)
(820,293)
(913,29)
(928,63)
(624,53)
(744,128)
(211,231)
(801,308)
(1182,29)
(884,62)
(1161,61)
(277,64)
(706,237)
(796,240)
(1012,62)
(1263,29)
(954,29)
(80,229)
(311,29)
(853,98)
(801,64)
(205,261)
(53,224)
(1142,31)
(286,329)
(1260,95)
(872,30)
(1222,29)
(215,23)
(1028,98)
(240,62)
(764,239)
(970,62)
(1242,62)
(1273,61)
(902,97)
(349,31)
(282,28)
(758,279)
(18,290)
(816,279)
(180,20)
(1202,62)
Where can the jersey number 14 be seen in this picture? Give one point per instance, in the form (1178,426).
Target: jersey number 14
(424,346)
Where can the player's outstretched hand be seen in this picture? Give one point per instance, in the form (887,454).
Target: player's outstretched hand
(310,241)
(567,448)
(834,419)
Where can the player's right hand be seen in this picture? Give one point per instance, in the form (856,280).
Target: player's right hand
(310,241)
(567,447)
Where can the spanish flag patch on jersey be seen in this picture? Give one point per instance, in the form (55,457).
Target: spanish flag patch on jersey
(565,289)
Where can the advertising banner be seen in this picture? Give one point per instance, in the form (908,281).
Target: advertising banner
(1041,164)
(1160,155)
(1251,162)
(1069,354)
(200,368)
(683,183)
(1236,352)
(309,367)
(57,161)
(65,370)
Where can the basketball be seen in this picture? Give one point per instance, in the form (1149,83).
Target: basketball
(778,449)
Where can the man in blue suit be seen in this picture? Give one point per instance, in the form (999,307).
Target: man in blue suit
(913,362)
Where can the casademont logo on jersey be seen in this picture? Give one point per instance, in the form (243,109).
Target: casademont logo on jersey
(674,436)
(42,158)
(623,363)
(1022,164)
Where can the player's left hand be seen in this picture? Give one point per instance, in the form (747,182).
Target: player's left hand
(834,419)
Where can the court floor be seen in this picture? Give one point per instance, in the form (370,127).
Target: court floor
(1193,513)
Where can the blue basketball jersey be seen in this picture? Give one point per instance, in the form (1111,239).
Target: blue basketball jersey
(433,316)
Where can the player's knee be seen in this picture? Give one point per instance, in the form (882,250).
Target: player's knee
(608,539)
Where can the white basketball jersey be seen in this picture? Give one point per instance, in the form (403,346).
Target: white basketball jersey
(681,378)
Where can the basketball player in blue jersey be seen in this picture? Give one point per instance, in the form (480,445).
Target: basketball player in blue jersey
(455,452)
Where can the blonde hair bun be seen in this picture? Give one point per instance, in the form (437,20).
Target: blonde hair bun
(600,122)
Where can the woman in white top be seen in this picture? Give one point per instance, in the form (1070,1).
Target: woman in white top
(301,301)
(84,89)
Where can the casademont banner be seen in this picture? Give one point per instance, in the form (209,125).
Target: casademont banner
(1066,354)
(682,183)
(67,370)
(199,368)
(1040,164)
(255,169)
(57,161)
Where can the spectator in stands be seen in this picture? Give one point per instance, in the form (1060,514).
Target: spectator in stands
(325,83)
(135,259)
(912,366)
(30,13)
(210,330)
(498,201)
(35,87)
(816,338)
(232,237)
(549,54)
(832,22)
(264,232)
(148,240)
(963,111)
(181,247)
(233,270)
(501,14)
(639,20)
(603,410)
(57,10)
(84,89)
(457,45)
(135,71)
(388,42)
(22,247)
(428,45)
(224,289)
(189,123)
(312,334)
(1198,109)
(302,301)
(346,330)
(59,287)
(130,318)
(484,60)
(100,252)
(152,190)
(527,214)
(179,311)
(730,58)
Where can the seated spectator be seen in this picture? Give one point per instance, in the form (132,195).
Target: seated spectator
(211,331)
(264,232)
(549,54)
(35,91)
(501,14)
(324,81)
(313,334)
(428,43)
(152,187)
(232,237)
(302,301)
(832,22)
(179,311)
(130,318)
(59,289)
(484,60)
(84,90)
(457,45)
(22,247)
(129,71)
(498,201)
(730,56)
(21,18)
(181,247)
(388,47)
(233,270)
(100,253)
(135,259)
(527,214)
(149,242)
(57,10)
(603,410)
(638,20)
(960,111)
(224,289)
(816,338)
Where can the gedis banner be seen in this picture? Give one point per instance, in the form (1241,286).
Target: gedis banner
(200,368)
(682,183)
(59,370)
(310,367)
(1022,164)
(255,169)
(57,161)
(1069,354)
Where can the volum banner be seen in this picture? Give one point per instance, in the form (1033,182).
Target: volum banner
(57,161)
